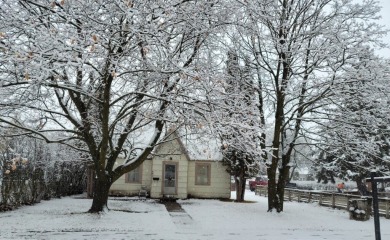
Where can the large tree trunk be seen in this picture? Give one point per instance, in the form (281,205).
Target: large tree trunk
(100,195)
(276,190)
(240,186)
(276,196)
(283,178)
(272,201)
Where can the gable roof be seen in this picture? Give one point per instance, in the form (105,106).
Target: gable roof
(194,146)
(202,147)
(169,138)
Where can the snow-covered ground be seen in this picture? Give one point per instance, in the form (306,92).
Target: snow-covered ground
(203,219)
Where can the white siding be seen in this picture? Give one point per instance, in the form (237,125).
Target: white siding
(120,187)
(172,152)
(155,191)
(182,178)
(219,182)
(169,152)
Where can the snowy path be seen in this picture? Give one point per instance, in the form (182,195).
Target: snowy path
(203,219)
(179,216)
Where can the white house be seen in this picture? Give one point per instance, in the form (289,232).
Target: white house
(178,169)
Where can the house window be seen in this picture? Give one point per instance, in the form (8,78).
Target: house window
(202,173)
(134,176)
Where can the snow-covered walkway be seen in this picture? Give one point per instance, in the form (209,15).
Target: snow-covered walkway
(204,219)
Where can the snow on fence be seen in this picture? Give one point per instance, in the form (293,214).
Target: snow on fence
(329,199)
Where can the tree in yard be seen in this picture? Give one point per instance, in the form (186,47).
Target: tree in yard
(355,138)
(238,129)
(298,52)
(103,76)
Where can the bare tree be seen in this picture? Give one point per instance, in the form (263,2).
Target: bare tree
(107,75)
(298,51)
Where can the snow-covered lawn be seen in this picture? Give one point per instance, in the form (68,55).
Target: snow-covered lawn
(203,219)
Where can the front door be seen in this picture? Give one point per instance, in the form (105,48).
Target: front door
(170,183)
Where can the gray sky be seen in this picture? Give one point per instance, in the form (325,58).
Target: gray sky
(385,21)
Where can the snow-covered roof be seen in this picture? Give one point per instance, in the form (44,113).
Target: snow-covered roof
(139,139)
(196,146)
(202,147)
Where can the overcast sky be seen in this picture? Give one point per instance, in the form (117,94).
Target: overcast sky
(385,21)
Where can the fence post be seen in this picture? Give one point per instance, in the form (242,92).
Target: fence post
(333,201)
(387,209)
(348,202)
(320,202)
(309,200)
(289,195)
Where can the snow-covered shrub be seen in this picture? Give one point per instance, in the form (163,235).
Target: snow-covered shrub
(32,170)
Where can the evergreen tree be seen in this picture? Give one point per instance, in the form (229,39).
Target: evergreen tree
(355,139)
(240,162)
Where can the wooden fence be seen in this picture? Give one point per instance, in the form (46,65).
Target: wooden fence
(329,199)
